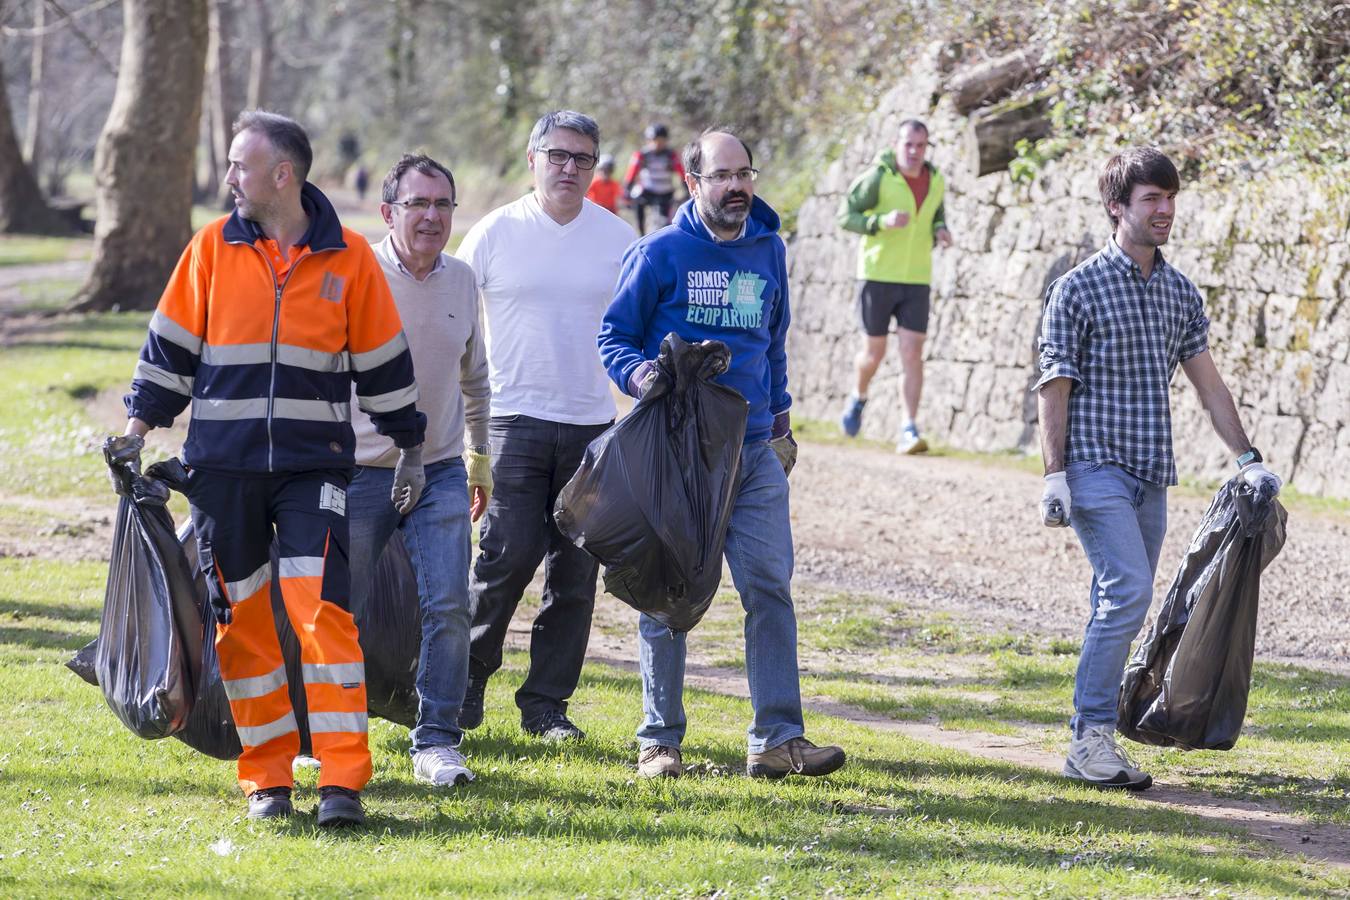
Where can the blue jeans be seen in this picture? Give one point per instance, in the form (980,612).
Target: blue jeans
(1120,521)
(532,460)
(759,552)
(436,534)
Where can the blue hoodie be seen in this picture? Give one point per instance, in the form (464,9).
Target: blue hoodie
(679,279)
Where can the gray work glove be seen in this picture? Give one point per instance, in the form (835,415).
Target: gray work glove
(1261,479)
(781,442)
(1055,500)
(409,479)
(122,452)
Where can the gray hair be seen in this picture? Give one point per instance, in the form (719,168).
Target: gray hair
(284,134)
(564,118)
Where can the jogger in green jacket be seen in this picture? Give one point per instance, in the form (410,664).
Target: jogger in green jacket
(897,207)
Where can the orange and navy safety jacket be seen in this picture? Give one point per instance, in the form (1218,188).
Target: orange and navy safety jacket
(267,360)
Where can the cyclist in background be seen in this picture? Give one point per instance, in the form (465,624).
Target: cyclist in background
(652,177)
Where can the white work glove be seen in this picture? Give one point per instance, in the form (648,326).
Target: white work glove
(1261,479)
(409,479)
(1055,500)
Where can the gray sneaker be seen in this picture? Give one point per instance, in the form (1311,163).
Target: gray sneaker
(660,761)
(1097,759)
(441,766)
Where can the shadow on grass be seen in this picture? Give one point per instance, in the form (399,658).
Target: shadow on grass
(14,630)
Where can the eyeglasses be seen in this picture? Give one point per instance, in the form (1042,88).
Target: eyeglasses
(560,157)
(422,204)
(721,179)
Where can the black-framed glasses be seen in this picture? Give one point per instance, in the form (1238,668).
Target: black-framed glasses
(721,179)
(422,204)
(559,158)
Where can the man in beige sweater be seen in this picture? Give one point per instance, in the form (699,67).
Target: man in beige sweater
(437,299)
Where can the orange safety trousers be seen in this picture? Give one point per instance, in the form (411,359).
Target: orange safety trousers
(236,518)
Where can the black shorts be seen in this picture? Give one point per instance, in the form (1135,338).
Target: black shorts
(880,301)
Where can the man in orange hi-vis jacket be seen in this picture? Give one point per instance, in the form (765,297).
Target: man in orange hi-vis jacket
(267,319)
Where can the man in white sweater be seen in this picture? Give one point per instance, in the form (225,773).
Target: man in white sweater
(546,266)
(437,300)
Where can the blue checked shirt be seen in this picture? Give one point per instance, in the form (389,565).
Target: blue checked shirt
(1119,339)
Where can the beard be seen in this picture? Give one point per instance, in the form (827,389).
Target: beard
(720,216)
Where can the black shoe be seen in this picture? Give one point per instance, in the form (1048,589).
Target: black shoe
(552,726)
(270,803)
(339,806)
(471,710)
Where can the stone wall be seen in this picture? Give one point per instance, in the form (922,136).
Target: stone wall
(1271,256)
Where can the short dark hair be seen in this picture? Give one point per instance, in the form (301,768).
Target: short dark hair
(913,123)
(1137,165)
(417,162)
(692,157)
(283,133)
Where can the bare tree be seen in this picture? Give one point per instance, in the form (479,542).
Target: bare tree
(143,165)
(32,139)
(22,206)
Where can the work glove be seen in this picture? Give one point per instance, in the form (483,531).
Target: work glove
(480,472)
(781,442)
(122,452)
(1261,479)
(1055,501)
(409,479)
(642,379)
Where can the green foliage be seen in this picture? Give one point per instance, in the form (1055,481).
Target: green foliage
(1224,86)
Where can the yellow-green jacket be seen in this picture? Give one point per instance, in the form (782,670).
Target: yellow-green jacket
(895,255)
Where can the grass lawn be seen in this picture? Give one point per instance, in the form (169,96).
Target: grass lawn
(24,250)
(92,810)
(97,811)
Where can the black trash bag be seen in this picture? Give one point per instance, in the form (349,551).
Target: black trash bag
(1186,685)
(148,652)
(390,625)
(390,629)
(653,495)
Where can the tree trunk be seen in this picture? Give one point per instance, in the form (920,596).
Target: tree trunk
(32,139)
(992,80)
(260,62)
(143,164)
(23,209)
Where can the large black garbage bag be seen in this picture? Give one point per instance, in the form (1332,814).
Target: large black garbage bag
(653,496)
(1186,685)
(150,635)
(389,625)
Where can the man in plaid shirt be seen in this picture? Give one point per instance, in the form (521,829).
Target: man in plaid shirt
(1114,330)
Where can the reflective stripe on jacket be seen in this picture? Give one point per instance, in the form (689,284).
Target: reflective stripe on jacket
(267,362)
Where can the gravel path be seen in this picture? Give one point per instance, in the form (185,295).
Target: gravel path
(965,537)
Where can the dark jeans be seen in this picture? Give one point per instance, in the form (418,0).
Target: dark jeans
(531,461)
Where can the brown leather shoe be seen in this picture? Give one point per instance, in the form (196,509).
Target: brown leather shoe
(660,761)
(797,756)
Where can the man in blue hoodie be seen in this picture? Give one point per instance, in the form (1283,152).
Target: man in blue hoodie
(719,272)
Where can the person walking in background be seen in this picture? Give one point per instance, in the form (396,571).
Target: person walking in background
(1114,330)
(721,274)
(437,300)
(546,265)
(605,190)
(270,315)
(897,207)
(652,177)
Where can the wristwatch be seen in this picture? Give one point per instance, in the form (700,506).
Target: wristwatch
(1251,456)
(480,449)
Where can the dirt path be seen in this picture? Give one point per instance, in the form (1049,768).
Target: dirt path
(1328,843)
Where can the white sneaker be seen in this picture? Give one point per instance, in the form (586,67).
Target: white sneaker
(441,765)
(302,762)
(911,442)
(1097,759)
